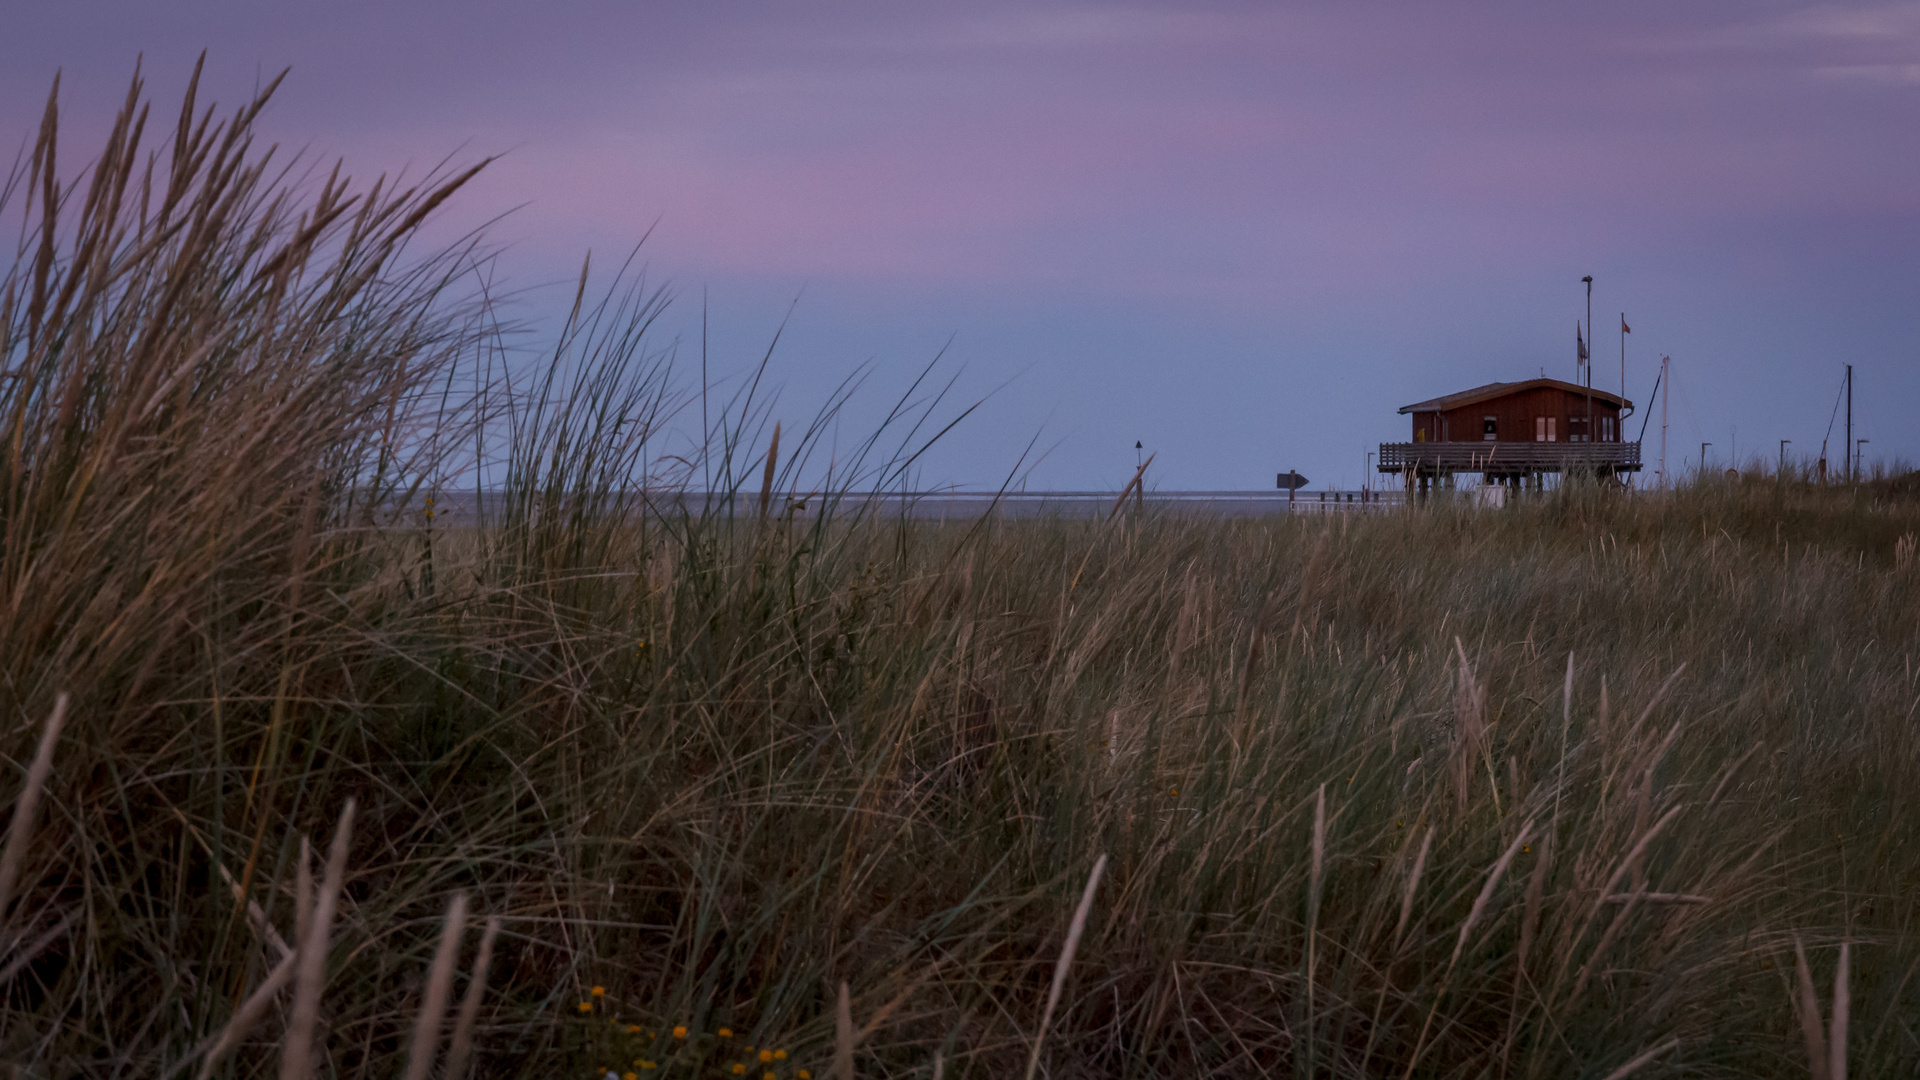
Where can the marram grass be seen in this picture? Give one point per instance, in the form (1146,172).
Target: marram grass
(1598,785)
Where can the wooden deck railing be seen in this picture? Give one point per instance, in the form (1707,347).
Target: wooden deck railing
(1507,458)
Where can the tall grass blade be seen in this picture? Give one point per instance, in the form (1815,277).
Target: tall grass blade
(296,1061)
(1065,962)
(248,1014)
(433,1004)
(766,478)
(843,1035)
(26,806)
(1842,1006)
(1411,890)
(1807,1007)
(461,1047)
(1485,899)
(1643,1058)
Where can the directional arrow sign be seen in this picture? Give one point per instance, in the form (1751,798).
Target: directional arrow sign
(1290,481)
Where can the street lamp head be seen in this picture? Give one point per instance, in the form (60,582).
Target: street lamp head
(1588,279)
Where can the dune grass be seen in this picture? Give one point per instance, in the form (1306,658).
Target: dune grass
(1595,785)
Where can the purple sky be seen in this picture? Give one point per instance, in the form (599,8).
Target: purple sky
(1242,234)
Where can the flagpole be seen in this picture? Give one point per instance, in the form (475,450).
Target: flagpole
(1589,280)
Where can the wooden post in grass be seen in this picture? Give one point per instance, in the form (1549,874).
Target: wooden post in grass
(1132,485)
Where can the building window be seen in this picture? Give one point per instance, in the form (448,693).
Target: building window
(1606,429)
(1489,427)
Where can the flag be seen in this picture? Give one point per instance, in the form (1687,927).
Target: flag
(1580,343)
(1624,328)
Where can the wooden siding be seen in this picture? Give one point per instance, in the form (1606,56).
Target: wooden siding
(1514,417)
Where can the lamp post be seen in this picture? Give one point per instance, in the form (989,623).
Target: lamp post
(1589,281)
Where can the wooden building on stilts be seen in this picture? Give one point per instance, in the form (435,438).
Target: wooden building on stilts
(1513,435)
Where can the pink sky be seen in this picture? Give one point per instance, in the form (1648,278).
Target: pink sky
(1244,234)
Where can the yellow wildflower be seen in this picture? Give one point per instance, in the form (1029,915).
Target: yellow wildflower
(630,1076)
(779,1055)
(766,1056)
(739,1069)
(726,1033)
(586,1006)
(599,991)
(804,1075)
(680,1031)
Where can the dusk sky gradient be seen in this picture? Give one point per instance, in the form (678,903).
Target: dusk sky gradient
(1244,235)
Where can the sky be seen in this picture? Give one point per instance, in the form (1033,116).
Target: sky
(1242,235)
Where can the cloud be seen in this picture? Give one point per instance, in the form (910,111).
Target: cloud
(1882,74)
(1874,40)
(1028,28)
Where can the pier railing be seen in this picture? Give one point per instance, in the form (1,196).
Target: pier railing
(1508,458)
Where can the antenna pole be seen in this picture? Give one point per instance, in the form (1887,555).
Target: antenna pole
(1666,380)
(1851,469)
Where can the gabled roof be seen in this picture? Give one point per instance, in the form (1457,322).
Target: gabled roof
(1502,389)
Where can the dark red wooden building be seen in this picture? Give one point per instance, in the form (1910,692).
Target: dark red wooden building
(1514,432)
